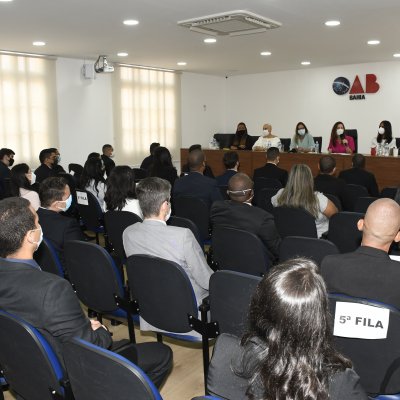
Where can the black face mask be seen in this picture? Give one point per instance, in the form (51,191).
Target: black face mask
(241,132)
(11,162)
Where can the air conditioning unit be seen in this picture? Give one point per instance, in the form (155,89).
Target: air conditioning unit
(231,23)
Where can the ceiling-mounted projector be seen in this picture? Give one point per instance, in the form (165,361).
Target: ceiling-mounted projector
(102,66)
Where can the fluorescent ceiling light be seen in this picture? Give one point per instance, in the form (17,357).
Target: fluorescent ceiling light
(373,42)
(265,53)
(39,43)
(305,63)
(131,22)
(122,54)
(332,23)
(397,55)
(210,40)
(181,63)
(5,1)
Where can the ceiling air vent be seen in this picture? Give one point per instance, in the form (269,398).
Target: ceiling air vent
(231,23)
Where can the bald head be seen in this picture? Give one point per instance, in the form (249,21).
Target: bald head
(381,224)
(196,160)
(240,187)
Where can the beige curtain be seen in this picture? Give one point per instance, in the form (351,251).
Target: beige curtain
(28,106)
(146,108)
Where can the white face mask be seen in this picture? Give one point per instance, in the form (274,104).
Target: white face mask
(339,131)
(301,132)
(33,178)
(168,214)
(265,132)
(40,238)
(381,130)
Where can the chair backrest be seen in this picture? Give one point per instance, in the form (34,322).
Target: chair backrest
(196,210)
(96,373)
(163,291)
(353,133)
(262,183)
(362,204)
(140,173)
(116,222)
(230,296)
(376,354)
(335,200)
(343,231)
(185,223)
(90,210)
(47,258)
(285,144)
(94,275)
(318,139)
(263,197)
(297,246)
(238,250)
(28,363)
(291,221)
(351,194)
(225,139)
(389,192)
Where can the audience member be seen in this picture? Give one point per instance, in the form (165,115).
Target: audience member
(299,193)
(302,141)
(47,301)
(58,169)
(95,155)
(267,139)
(121,193)
(22,179)
(240,214)
(231,163)
(92,179)
(359,176)
(241,140)
(6,161)
(146,163)
(339,141)
(369,272)
(162,166)
(185,168)
(288,351)
(154,237)
(45,170)
(108,154)
(384,136)
(55,196)
(195,184)
(326,181)
(271,169)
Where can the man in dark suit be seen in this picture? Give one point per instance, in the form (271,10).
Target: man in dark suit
(107,155)
(47,301)
(231,162)
(47,158)
(240,214)
(271,169)
(185,167)
(6,161)
(326,181)
(359,176)
(148,161)
(195,184)
(369,272)
(55,196)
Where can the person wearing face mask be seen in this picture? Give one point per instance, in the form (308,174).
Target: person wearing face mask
(339,141)
(267,140)
(155,238)
(57,167)
(6,161)
(107,156)
(302,140)
(238,213)
(384,136)
(22,179)
(47,159)
(55,197)
(241,140)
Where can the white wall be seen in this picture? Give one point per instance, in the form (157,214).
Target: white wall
(284,98)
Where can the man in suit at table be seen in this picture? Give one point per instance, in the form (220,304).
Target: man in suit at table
(358,175)
(231,162)
(369,272)
(195,184)
(271,169)
(48,301)
(238,213)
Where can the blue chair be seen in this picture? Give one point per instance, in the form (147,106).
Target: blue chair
(46,256)
(29,364)
(98,282)
(96,373)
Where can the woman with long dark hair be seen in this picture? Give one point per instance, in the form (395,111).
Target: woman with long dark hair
(22,179)
(121,191)
(302,140)
(241,140)
(299,193)
(162,166)
(339,141)
(92,179)
(288,352)
(384,136)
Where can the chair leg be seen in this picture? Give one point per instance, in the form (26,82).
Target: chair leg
(131,328)
(159,338)
(206,350)
(97,238)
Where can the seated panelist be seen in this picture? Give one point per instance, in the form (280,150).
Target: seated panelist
(340,142)
(241,140)
(267,139)
(302,141)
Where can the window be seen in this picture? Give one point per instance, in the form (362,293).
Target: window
(28,106)
(146,110)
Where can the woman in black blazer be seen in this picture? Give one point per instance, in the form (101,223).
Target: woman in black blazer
(162,166)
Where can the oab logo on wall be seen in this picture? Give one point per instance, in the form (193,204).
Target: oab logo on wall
(341,86)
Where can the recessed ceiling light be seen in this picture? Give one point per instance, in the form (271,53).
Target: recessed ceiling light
(181,63)
(39,43)
(332,23)
(131,22)
(265,53)
(210,40)
(4,1)
(122,54)
(305,63)
(373,42)
(397,55)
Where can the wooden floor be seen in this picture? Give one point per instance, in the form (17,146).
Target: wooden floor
(186,378)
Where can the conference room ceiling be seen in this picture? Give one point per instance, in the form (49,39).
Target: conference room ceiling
(87,28)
